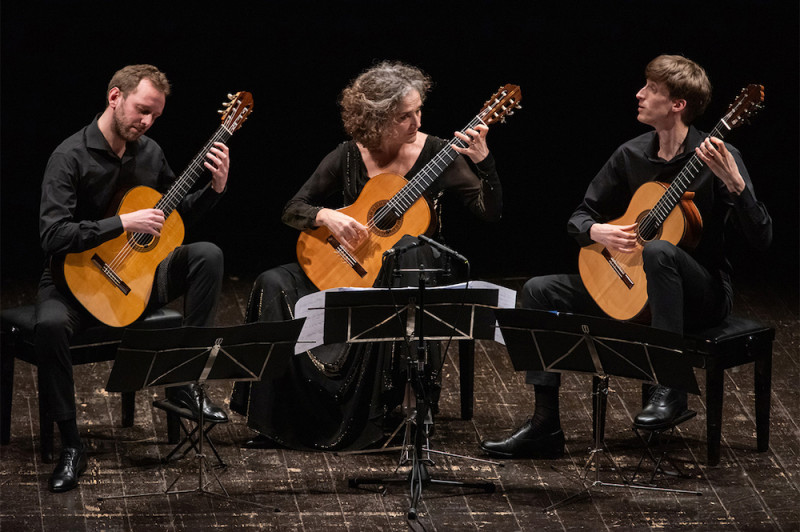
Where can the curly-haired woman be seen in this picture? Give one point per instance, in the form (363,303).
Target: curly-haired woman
(335,397)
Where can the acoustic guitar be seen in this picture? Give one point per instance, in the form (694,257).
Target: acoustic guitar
(113,280)
(389,207)
(617,281)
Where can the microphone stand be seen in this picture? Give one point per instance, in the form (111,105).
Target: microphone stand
(416,447)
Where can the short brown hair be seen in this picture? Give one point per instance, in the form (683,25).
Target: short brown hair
(127,79)
(685,80)
(371,100)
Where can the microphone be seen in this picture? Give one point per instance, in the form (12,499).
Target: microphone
(441,247)
(401,249)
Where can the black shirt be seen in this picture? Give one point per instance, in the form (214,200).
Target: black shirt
(84,181)
(343,172)
(637,162)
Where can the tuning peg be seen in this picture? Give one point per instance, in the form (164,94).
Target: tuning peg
(220,112)
(231,96)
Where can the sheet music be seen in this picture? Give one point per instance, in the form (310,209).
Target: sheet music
(312,307)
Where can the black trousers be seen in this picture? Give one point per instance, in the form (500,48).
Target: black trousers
(194,270)
(682,294)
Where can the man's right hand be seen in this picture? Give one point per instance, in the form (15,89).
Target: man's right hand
(621,238)
(147,221)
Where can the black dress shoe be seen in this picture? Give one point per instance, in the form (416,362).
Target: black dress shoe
(70,466)
(663,408)
(188,396)
(527,442)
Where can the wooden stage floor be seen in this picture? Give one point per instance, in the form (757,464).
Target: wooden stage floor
(747,491)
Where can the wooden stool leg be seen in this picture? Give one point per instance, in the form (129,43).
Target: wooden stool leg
(6,394)
(714,380)
(763,389)
(466,365)
(128,400)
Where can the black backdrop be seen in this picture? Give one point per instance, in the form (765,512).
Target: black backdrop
(579,65)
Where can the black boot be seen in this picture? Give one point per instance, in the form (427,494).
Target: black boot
(70,466)
(664,406)
(528,441)
(188,396)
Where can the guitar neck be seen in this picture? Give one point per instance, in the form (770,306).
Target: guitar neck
(412,191)
(672,196)
(188,178)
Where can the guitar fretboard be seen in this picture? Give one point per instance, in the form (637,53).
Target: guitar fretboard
(651,223)
(188,178)
(412,191)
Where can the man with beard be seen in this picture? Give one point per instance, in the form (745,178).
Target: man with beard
(81,182)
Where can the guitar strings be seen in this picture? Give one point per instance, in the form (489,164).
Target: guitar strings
(169,201)
(411,191)
(649,226)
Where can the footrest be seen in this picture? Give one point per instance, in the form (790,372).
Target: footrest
(182,412)
(193,434)
(685,416)
(656,446)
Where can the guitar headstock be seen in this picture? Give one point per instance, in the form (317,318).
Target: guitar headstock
(501,104)
(236,110)
(745,106)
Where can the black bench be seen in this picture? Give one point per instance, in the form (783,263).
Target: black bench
(94,344)
(734,342)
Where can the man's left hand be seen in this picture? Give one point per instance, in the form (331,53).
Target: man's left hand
(218,162)
(713,152)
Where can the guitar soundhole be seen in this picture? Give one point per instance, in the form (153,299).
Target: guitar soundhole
(142,242)
(647,230)
(385,222)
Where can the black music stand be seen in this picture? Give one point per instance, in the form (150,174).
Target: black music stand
(406,314)
(553,341)
(184,355)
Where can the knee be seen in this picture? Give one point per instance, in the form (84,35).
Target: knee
(658,254)
(269,281)
(209,255)
(534,294)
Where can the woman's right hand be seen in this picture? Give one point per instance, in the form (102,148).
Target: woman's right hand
(344,228)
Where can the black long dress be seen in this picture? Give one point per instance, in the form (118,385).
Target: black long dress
(336,397)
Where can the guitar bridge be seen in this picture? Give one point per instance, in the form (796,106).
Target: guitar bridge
(347,257)
(110,274)
(618,269)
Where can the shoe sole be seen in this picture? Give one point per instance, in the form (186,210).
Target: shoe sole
(539,455)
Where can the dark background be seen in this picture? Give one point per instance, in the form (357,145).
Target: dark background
(579,65)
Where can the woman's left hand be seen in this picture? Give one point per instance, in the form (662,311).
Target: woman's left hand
(475,139)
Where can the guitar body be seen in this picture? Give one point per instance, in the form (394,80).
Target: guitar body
(320,255)
(617,281)
(96,291)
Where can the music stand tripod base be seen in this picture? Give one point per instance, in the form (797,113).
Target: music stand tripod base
(168,357)
(416,448)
